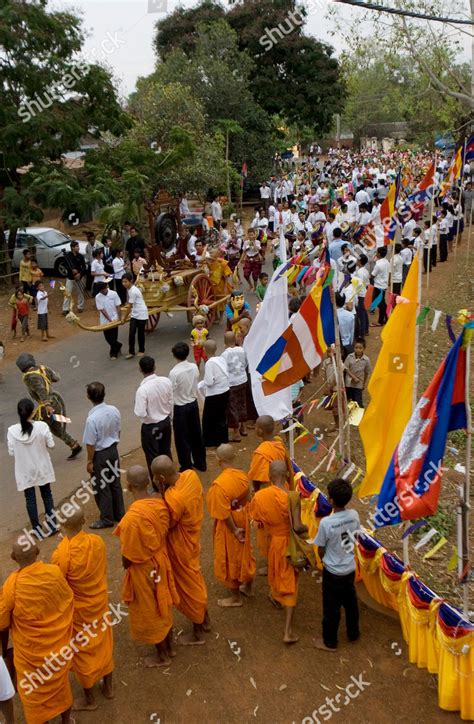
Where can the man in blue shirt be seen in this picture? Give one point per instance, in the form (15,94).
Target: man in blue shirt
(101,436)
(335,247)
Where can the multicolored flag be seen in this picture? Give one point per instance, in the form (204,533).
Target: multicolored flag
(424,190)
(454,172)
(388,211)
(412,483)
(469,153)
(301,346)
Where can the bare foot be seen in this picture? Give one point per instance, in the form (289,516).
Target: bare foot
(152,662)
(83,705)
(190,640)
(290,638)
(246,590)
(106,690)
(263,571)
(229,603)
(319,644)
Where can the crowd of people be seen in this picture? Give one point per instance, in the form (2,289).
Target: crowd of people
(319,210)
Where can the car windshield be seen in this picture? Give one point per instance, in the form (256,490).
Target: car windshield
(53,237)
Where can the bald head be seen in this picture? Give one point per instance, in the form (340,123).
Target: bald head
(225,454)
(23,552)
(229,339)
(265,424)
(137,478)
(278,472)
(210,347)
(164,470)
(73,523)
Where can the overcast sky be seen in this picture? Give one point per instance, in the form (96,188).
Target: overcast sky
(121,32)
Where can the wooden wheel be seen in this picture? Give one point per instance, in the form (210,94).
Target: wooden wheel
(200,293)
(152,322)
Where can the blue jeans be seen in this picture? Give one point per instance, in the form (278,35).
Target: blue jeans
(32,508)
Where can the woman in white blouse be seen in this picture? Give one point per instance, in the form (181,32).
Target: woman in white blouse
(28,442)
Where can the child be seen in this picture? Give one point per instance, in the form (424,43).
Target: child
(36,275)
(199,335)
(25,271)
(336,550)
(262,286)
(252,259)
(357,369)
(22,304)
(138,263)
(42,307)
(443,229)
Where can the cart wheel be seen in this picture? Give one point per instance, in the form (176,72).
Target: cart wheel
(152,322)
(200,292)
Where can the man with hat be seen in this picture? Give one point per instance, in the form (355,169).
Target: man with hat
(39,383)
(108,304)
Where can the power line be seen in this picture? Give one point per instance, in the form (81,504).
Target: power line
(407,13)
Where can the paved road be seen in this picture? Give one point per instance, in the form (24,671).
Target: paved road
(80,359)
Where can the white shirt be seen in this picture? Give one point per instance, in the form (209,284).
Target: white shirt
(184,377)
(397,268)
(216,376)
(216,211)
(251,249)
(264,192)
(364,218)
(362,275)
(407,256)
(135,298)
(362,197)
(183,207)
(329,230)
(109,302)
(380,273)
(42,302)
(191,246)
(33,466)
(154,399)
(352,209)
(316,216)
(236,361)
(407,231)
(97,268)
(118,265)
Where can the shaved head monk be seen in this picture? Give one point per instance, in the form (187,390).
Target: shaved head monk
(37,604)
(227,503)
(271,508)
(183,494)
(81,558)
(148,586)
(271,448)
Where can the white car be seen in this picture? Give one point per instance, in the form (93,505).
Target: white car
(48,246)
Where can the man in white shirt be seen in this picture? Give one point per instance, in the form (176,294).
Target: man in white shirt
(154,406)
(184,377)
(362,197)
(108,304)
(302,225)
(97,270)
(216,211)
(216,388)
(331,224)
(191,243)
(139,316)
(352,207)
(380,274)
(282,218)
(236,361)
(183,206)
(265,194)
(407,231)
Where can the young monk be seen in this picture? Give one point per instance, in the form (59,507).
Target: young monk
(37,604)
(271,448)
(81,558)
(227,503)
(183,494)
(148,586)
(270,507)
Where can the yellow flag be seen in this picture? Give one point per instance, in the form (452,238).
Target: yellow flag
(390,388)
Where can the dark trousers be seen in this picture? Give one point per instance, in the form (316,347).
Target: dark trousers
(362,318)
(137,327)
(111,337)
(121,291)
(397,288)
(354,394)
(107,485)
(443,247)
(382,305)
(156,440)
(32,508)
(406,269)
(426,254)
(188,437)
(214,420)
(339,591)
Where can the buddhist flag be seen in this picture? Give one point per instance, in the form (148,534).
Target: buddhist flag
(390,388)
(301,346)
(454,171)
(388,211)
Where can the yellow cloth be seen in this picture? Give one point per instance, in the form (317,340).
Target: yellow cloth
(390,388)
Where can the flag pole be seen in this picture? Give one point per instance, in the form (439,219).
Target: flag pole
(464,542)
(341,390)
(469,235)
(430,240)
(460,195)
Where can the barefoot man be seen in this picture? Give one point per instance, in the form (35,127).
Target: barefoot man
(148,586)
(183,494)
(227,503)
(270,507)
(271,448)
(81,558)
(37,604)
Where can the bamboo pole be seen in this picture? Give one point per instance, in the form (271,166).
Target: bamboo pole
(460,194)
(464,542)
(428,263)
(469,235)
(341,390)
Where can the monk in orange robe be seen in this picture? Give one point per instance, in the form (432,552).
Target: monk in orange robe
(81,558)
(148,586)
(227,503)
(271,448)
(183,494)
(270,507)
(37,604)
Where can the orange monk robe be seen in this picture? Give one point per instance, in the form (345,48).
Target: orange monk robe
(233,561)
(186,507)
(270,507)
(148,586)
(82,561)
(37,604)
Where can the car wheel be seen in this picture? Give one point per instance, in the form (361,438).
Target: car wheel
(60,268)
